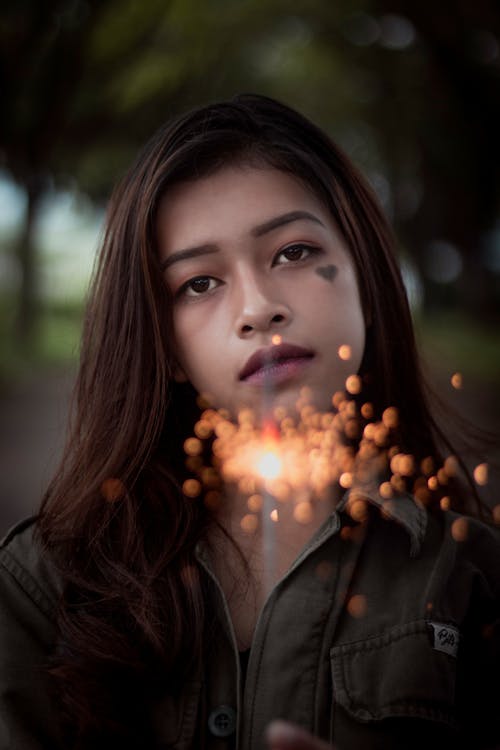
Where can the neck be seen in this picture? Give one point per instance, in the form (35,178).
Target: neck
(269,547)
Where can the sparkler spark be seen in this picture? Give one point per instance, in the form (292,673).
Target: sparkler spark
(274,458)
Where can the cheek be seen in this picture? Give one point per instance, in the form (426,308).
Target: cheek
(340,317)
(196,343)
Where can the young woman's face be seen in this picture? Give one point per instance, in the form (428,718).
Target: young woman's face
(253,259)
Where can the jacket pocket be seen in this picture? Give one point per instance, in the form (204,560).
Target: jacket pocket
(396,674)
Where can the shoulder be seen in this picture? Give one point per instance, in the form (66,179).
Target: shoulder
(470,548)
(26,573)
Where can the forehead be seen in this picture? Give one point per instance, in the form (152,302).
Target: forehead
(231,202)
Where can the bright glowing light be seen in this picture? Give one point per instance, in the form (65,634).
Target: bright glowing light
(457,380)
(269,465)
(276,339)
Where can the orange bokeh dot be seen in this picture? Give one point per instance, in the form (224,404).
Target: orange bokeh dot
(442,476)
(345,352)
(274,515)
(380,435)
(353,384)
(432,483)
(194,463)
(203,429)
(303,512)
(422,494)
(345,480)
(358,510)
(357,606)
(460,529)
(351,429)
(445,503)
(210,478)
(246,416)
(398,482)
(191,488)
(481,474)
(337,399)
(427,465)
(193,446)
(324,570)
(496,514)
(254,503)
(112,489)
(276,339)
(345,533)
(406,465)
(249,523)
(385,490)
(390,417)
(247,485)
(204,400)
(367,411)
(451,466)
(369,431)
(457,380)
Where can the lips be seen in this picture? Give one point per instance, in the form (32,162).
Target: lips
(281,359)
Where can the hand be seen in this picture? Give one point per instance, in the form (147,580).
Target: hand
(281,735)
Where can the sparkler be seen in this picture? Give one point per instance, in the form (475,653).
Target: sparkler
(269,466)
(275,458)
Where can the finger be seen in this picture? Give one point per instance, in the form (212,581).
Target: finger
(281,735)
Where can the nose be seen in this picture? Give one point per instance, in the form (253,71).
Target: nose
(259,310)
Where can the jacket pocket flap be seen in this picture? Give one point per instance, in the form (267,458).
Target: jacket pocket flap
(398,673)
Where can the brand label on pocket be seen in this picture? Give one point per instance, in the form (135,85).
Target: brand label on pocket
(446,638)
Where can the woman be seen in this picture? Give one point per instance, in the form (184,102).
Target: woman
(242,252)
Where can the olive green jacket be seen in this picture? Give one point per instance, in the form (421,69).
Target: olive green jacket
(381,636)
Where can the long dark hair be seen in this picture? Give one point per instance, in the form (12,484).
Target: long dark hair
(114,519)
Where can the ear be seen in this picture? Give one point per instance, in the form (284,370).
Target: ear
(179,374)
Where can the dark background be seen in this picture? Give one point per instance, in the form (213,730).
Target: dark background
(411,91)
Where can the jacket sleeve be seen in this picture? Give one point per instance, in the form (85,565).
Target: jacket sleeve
(28,716)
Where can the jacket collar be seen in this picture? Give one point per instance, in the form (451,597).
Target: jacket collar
(404,509)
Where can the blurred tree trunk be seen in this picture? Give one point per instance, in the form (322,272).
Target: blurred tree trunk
(26,254)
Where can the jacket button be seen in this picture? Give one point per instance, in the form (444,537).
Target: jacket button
(222,721)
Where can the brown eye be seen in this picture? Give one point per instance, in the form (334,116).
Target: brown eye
(294,254)
(200,285)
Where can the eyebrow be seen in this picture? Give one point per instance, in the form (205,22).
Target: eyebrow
(258,231)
